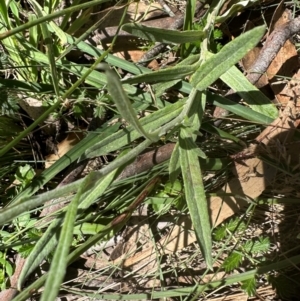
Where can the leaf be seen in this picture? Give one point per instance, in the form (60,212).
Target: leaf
(25,174)
(60,259)
(167,77)
(232,261)
(34,33)
(234,8)
(256,100)
(161,88)
(208,127)
(192,145)
(174,165)
(24,250)
(191,171)
(163,35)
(13,84)
(257,246)
(249,286)
(8,269)
(229,55)
(220,233)
(237,109)
(177,72)
(98,186)
(122,102)
(195,194)
(233,225)
(236,225)
(4,12)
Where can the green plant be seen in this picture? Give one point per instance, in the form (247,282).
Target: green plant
(252,250)
(179,120)
(6,270)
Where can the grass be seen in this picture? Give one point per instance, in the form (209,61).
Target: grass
(97,206)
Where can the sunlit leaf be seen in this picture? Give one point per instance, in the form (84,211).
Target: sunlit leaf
(249,286)
(163,35)
(232,261)
(229,55)
(122,102)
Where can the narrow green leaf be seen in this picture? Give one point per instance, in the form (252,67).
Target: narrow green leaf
(229,55)
(174,165)
(256,100)
(177,72)
(163,35)
(188,25)
(234,8)
(189,14)
(60,260)
(115,61)
(191,172)
(8,269)
(195,195)
(4,13)
(34,32)
(161,88)
(208,127)
(15,9)
(96,187)
(192,145)
(128,66)
(122,102)
(89,228)
(237,109)
(200,153)
(59,33)
(214,163)
(13,84)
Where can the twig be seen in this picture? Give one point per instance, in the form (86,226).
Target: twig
(166,8)
(146,161)
(271,47)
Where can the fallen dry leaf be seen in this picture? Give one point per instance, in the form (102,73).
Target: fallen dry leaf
(63,147)
(135,56)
